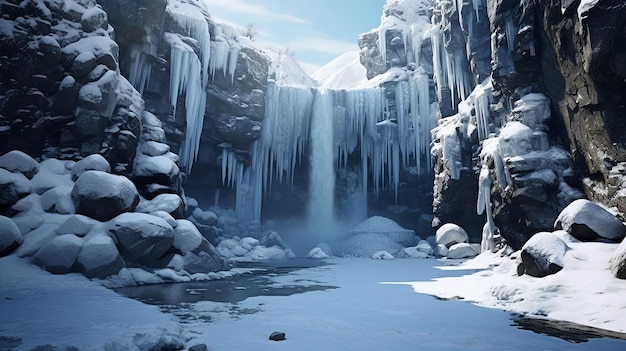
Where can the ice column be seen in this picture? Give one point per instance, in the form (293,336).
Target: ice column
(321,208)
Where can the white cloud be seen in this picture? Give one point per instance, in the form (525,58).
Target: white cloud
(241,6)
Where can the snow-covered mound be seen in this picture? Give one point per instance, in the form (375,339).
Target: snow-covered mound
(388,227)
(344,72)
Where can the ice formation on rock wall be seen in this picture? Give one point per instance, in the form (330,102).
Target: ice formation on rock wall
(189,71)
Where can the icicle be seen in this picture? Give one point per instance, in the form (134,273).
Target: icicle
(510,30)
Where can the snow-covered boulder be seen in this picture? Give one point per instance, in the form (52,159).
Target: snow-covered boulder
(13,186)
(542,255)
(99,258)
(204,217)
(425,247)
(412,252)
(17,161)
(78,225)
(617,264)
(382,255)
(27,222)
(153,148)
(462,250)
(441,250)
(317,253)
(95,162)
(365,245)
(186,236)
(170,203)
(167,217)
(202,261)
(103,196)
(155,169)
(10,236)
(273,239)
(142,238)
(58,200)
(59,255)
(388,227)
(586,221)
(46,179)
(450,234)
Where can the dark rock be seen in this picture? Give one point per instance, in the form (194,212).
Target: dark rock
(277,336)
(103,196)
(199,347)
(94,18)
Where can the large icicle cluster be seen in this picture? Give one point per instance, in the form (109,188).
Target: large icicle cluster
(189,70)
(357,117)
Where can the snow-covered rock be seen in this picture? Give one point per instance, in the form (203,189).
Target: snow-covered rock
(155,169)
(102,196)
(170,203)
(46,179)
(382,255)
(95,162)
(18,161)
(186,236)
(617,264)
(462,250)
(99,258)
(425,247)
(167,217)
(58,200)
(587,221)
(450,234)
(542,255)
(388,227)
(412,252)
(441,250)
(142,238)
(78,225)
(317,253)
(366,244)
(28,222)
(10,236)
(13,186)
(59,255)
(204,217)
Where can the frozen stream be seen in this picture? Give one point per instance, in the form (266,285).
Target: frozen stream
(354,304)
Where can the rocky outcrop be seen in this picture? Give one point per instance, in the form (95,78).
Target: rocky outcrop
(62,93)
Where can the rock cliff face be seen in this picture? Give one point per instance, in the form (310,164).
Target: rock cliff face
(553,72)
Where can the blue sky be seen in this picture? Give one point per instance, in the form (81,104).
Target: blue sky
(316,30)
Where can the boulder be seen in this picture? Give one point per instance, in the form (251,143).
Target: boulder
(388,227)
(278,336)
(317,253)
(13,186)
(155,169)
(186,236)
(18,161)
(58,200)
(142,238)
(543,255)
(103,196)
(441,250)
(78,225)
(10,236)
(170,203)
(462,250)
(202,260)
(617,264)
(588,221)
(99,258)
(450,234)
(204,217)
(59,255)
(95,162)
(366,244)
(45,180)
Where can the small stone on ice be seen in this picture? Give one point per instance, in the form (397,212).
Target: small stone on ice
(278,336)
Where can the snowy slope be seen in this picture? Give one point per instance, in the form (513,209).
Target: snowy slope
(344,72)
